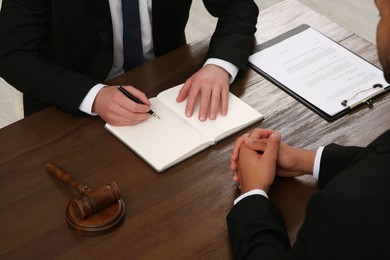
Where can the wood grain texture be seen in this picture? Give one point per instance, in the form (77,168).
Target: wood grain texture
(180,213)
(358,16)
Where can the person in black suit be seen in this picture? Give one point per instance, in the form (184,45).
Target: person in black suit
(347,219)
(60,52)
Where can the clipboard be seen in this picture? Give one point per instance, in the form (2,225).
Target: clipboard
(348,101)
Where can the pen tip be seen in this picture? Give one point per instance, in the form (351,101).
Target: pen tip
(156,116)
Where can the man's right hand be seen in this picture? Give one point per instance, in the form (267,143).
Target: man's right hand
(118,110)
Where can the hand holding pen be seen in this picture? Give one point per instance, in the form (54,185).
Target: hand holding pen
(116,109)
(136,100)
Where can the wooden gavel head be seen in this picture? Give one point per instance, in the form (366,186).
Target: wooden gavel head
(95,200)
(93,211)
(89,201)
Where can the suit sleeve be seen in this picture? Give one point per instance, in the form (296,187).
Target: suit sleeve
(333,229)
(335,158)
(233,38)
(256,229)
(32,57)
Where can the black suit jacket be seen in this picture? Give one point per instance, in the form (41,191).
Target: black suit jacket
(349,218)
(55,51)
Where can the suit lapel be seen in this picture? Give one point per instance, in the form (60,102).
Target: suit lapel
(99,11)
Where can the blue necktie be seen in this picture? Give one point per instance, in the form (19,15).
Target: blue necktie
(132,41)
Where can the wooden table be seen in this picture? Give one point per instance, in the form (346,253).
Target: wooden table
(180,213)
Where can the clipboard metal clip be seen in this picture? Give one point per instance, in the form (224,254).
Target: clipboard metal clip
(367,101)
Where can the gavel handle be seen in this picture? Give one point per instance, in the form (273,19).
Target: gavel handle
(66,178)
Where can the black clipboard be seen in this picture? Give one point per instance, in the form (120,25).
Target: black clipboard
(320,112)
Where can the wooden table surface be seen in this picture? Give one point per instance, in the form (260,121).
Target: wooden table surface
(180,213)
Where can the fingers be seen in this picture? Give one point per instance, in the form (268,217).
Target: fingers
(234,157)
(118,116)
(254,140)
(131,106)
(225,101)
(211,85)
(209,96)
(257,141)
(270,154)
(138,94)
(260,133)
(256,144)
(257,171)
(236,177)
(273,146)
(117,109)
(219,100)
(212,99)
(183,93)
(237,145)
(205,94)
(248,153)
(250,171)
(189,92)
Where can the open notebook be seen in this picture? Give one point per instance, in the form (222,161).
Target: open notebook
(169,140)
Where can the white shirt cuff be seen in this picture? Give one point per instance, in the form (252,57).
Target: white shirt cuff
(250,193)
(229,67)
(317,162)
(86,104)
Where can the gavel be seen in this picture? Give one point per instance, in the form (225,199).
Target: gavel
(90,201)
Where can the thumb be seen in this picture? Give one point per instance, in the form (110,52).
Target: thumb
(256,144)
(271,152)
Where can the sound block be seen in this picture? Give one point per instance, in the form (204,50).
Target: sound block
(99,223)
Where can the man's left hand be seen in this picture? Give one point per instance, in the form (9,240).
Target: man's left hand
(211,82)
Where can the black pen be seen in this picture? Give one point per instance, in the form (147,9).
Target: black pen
(136,100)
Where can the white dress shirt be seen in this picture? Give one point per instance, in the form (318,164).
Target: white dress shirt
(145,10)
(316,171)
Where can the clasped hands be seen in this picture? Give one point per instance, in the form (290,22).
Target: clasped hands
(210,83)
(259,156)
